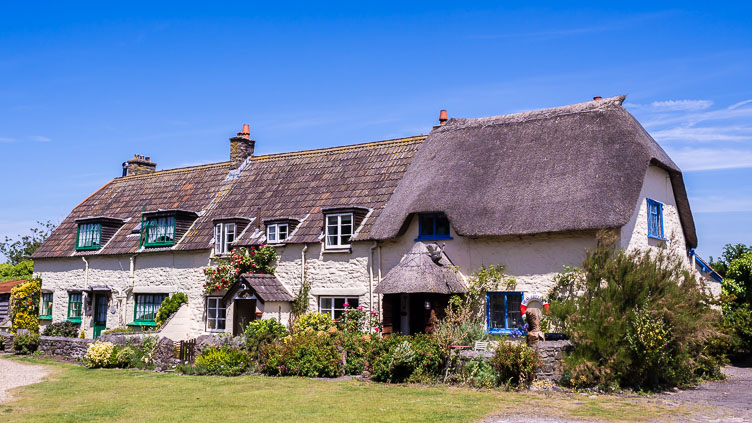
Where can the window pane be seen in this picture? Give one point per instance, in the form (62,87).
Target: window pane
(344,240)
(331,240)
(514,315)
(353,302)
(426,225)
(331,220)
(339,303)
(272,233)
(442,225)
(221,324)
(326,303)
(497,311)
(346,219)
(218,239)
(282,232)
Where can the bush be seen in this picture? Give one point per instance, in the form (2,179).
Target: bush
(737,301)
(415,358)
(358,320)
(11,272)
(316,321)
(99,354)
(303,354)
(66,328)
(223,361)
(26,344)
(480,374)
(125,357)
(357,348)
(637,319)
(24,305)
(261,332)
(515,363)
(169,306)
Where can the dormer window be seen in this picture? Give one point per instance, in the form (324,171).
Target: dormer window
(433,227)
(224,236)
(89,236)
(160,231)
(277,232)
(339,230)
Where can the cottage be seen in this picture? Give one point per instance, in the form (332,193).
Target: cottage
(393,226)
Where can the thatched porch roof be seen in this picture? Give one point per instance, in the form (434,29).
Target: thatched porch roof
(419,272)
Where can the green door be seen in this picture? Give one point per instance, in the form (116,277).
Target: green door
(100,314)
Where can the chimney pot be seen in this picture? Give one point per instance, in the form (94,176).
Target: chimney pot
(139,165)
(443,117)
(241,147)
(596,98)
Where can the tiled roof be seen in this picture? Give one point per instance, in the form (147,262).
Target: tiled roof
(290,185)
(6,286)
(268,287)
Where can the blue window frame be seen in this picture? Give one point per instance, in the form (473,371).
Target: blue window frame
(655,219)
(503,312)
(433,227)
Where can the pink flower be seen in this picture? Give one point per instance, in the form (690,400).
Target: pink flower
(347,304)
(360,308)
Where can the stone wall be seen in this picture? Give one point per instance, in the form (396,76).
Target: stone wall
(552,353)
(64,347)
(7,340)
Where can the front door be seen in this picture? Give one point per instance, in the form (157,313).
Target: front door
(100,314)
(244,311)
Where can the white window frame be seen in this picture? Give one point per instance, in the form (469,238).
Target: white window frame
(276,230)
(224,237)
(337,228)
(333,309)
(215,303)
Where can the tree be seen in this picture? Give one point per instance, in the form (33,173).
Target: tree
(730,253)
(737,299)
(23,247)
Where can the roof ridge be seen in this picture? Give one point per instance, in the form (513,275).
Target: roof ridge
(349,147)
(173,170)
(547,113)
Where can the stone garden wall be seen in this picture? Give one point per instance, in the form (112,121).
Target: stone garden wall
(552,353)
(64,347)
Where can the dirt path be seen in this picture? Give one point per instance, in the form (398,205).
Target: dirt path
(13,374)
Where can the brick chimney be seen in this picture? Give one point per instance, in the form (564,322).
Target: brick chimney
(139,165)
(241,147)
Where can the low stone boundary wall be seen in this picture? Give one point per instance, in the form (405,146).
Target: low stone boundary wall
(551,354)
(64,347)
(7,341)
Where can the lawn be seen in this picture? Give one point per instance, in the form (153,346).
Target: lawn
(74,394)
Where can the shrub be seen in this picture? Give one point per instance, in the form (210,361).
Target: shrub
(99,354)
(65,328)
(415,358)
(617,293)
(480,374)
(169,306)
(22,270)
(358,320)
(516,363)
(24,305)
(357,348)
(223,361)
(316,321)
(125,357)
(737,300)
(26,344)
(303,354)
(263,331)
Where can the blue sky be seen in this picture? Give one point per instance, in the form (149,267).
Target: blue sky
(83,87)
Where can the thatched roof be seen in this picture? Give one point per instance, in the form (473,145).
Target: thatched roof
(571,168)
(418,272)
(264,287)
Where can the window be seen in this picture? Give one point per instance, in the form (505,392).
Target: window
(655,219)
(88,236)
(45,309)
(276,233)
(335,306)
(160,231)
(224,236)
(433,226)
(503,312)
(215,314)
(74,307)
(339,229)
(147,305)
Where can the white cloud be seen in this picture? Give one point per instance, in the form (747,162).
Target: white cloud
(739,104)
(681,105)
(40,138)
(690,159)
(4,139)
(704,134)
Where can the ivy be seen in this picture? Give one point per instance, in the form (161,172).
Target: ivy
(24,305)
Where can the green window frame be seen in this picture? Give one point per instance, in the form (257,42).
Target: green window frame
(45,308)
(88,236)
(159,231)
(75,306)
(145,309)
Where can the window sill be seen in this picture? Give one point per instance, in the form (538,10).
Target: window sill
(87,248)
(497,331)
(142,323)
(338,250)
(74,319)
(45,317)
(433,238)
(660,238)
(158,245)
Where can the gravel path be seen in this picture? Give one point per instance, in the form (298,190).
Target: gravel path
(13,374)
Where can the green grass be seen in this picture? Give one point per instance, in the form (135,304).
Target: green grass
(74,394)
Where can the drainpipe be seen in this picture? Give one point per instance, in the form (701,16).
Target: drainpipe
(302,263)
(370,275)
(86,272)
(380,296)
